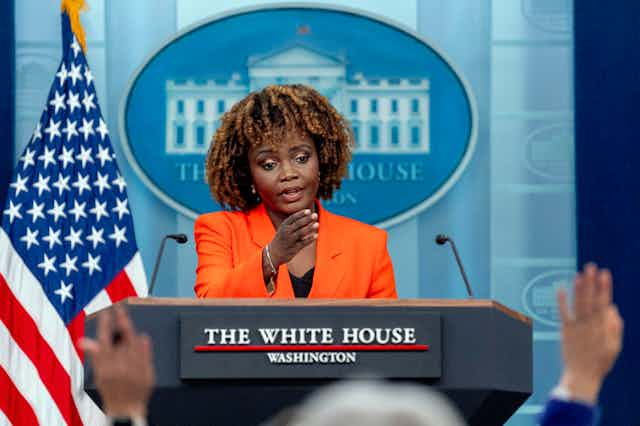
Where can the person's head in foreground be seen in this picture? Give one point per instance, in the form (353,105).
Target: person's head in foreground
(376,403)
(289,131)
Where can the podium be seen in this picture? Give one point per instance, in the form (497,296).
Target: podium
(241,361)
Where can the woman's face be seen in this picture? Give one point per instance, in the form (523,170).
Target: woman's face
(286,177)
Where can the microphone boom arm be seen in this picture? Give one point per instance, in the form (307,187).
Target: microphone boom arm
(464,274)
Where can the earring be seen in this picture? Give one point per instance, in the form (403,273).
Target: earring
(253,189)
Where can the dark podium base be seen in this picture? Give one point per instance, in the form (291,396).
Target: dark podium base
(486,362)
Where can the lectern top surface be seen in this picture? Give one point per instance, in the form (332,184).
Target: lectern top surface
(434,303)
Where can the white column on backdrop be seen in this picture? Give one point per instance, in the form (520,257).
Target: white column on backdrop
(462,31)
(131,35)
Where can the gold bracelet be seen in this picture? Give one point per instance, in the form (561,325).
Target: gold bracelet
(271,265)
(271,285)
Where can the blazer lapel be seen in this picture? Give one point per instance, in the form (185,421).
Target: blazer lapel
(260,226)
(330,266)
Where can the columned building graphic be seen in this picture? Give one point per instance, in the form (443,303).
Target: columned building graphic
(388,115)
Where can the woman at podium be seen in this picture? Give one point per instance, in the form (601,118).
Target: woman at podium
(276,153)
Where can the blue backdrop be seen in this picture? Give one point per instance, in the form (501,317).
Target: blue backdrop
(513,212)
(607,90)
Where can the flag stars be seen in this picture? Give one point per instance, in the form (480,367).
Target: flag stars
(96,237)
(75,74)
(58,102)
(53,129)
(13,211)
(36,211)
(73,101)
(78,211)
(75,46)
(85,156)
(64,292)
(69,264)
(103,155)
(92,264)
(52,238)
(119,182)
(87,101)
(42,184)
(70,129)
(27,158)
(47,157)
(62,74)
(121,208)
(66,157)
(20,184)
(62,184)
(30,238)
(87,129)
(37,132)
(102,182)
(74,237)
(81,183)
(99,210)
(57,211)
(88,76)
(118,235)
(102,129)
(47,264)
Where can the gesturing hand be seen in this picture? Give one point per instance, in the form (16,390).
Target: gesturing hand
(294,233)
(123,369)
(591,333)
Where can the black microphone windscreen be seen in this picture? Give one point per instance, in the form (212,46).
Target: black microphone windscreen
(441,239)
(179,238)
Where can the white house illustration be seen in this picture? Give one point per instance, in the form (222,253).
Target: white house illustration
(388,115)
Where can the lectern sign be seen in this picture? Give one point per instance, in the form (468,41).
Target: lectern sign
(321,345)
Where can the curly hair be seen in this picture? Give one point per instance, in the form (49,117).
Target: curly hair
(262,118)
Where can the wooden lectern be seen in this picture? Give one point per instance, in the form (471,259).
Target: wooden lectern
(241,361)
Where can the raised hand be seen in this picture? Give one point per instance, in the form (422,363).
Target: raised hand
(294,233)
(591,333)
(122,366)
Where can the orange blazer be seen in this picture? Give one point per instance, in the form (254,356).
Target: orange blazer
(352,260)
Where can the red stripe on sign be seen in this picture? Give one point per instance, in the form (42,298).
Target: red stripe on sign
(306,348)
(12,403)
(120,288)
(26,334)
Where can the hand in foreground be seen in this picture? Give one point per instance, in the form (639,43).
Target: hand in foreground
(123,371)
(591,334)
(294,233)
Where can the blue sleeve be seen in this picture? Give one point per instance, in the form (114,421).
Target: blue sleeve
(566,413)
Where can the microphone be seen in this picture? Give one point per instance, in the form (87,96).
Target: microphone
(180,239)
(442,239)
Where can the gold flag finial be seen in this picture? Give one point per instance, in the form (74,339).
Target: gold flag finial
(73,9)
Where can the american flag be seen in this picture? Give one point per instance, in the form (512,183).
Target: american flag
(67,249)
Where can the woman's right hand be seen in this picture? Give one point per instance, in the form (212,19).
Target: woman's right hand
(294,233)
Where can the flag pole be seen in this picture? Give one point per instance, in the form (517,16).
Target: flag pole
(73,9)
